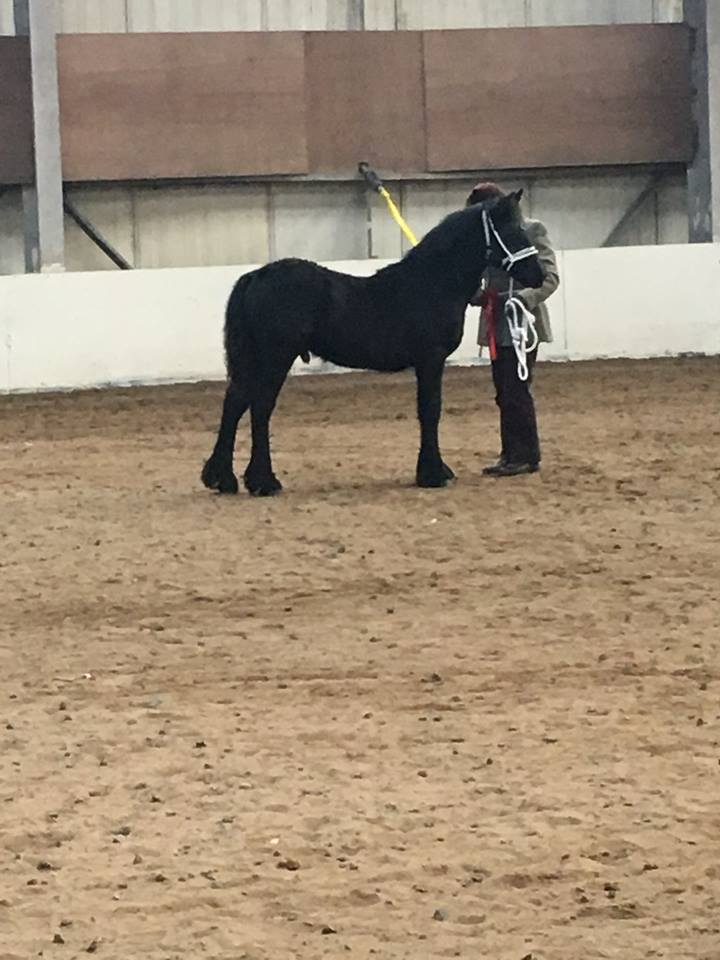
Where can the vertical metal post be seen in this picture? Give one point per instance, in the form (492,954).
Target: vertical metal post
(713,46)
(356,15)
(703,18)
(22,24)
(43,202)
(29,193)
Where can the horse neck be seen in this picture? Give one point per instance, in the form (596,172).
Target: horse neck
(455,280)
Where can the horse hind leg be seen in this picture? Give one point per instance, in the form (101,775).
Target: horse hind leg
(218,473)
(260,481)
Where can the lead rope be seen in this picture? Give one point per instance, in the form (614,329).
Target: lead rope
(521,323)
(524,336)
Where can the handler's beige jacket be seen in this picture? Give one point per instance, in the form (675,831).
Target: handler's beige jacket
(534,299)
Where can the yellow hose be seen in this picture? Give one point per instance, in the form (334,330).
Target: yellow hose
(397,216)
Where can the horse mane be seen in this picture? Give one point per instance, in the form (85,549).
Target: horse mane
(438,241)
(444,244)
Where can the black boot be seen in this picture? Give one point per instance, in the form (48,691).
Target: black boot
(496,468)
(504,469)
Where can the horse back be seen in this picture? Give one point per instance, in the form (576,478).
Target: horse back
(378,323)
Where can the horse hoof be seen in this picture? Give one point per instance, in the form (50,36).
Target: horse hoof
(432,482)
(209,475)
(214,478)
(228,485)
(448,473)
(265,492)
(263,488)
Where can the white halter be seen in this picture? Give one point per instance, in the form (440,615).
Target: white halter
(521,322)
(510,258)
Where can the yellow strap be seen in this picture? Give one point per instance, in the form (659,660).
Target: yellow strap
(397,216)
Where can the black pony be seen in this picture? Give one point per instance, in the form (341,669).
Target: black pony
(409,314)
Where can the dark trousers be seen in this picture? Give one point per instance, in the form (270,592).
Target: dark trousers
(518,425)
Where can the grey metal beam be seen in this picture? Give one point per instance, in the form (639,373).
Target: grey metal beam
(419,176)
(647,191)
(31,235)
(94,234)
(703,18)
(713,45)
(356,15)
(31,243)
(43,203)
(22,23)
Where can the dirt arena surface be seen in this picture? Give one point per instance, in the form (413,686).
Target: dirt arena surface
(363,719)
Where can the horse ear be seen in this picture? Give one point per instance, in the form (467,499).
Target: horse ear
(508,205)
(504,207)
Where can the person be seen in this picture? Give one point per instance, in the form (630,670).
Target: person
(520,444)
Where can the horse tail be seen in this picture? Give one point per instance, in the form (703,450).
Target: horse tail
(237,330)
(238,321)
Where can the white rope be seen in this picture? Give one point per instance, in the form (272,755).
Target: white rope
(520,321)
(524,336)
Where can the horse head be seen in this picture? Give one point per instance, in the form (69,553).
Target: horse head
(507,243)
(458,249)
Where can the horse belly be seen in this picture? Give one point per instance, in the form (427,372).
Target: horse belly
(360,352)
(350,336)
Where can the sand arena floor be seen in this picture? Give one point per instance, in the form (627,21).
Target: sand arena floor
(363,719)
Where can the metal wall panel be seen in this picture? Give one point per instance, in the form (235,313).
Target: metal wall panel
(91,16)
(673,212)
(426,202)
(181,105)
(422,203)
(212,225)
(314,14)
(642,228)
(350,116)
(184,105)
(110,210)
(201,225)
(662,218)
(380,15)
(579,211)
(188,15)
(543,13)
(386,239)
(668,11)
(16,118)
(101,16)
(601,95)
(452,14)
(12,250)
(582,211)
(433,14)
(7,18)
(320,221)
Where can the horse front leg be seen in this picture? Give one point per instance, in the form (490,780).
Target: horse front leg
(431,470)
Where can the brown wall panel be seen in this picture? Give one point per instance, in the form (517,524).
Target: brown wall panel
(557,96)
(365,100)
(143,106)
(16,123)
